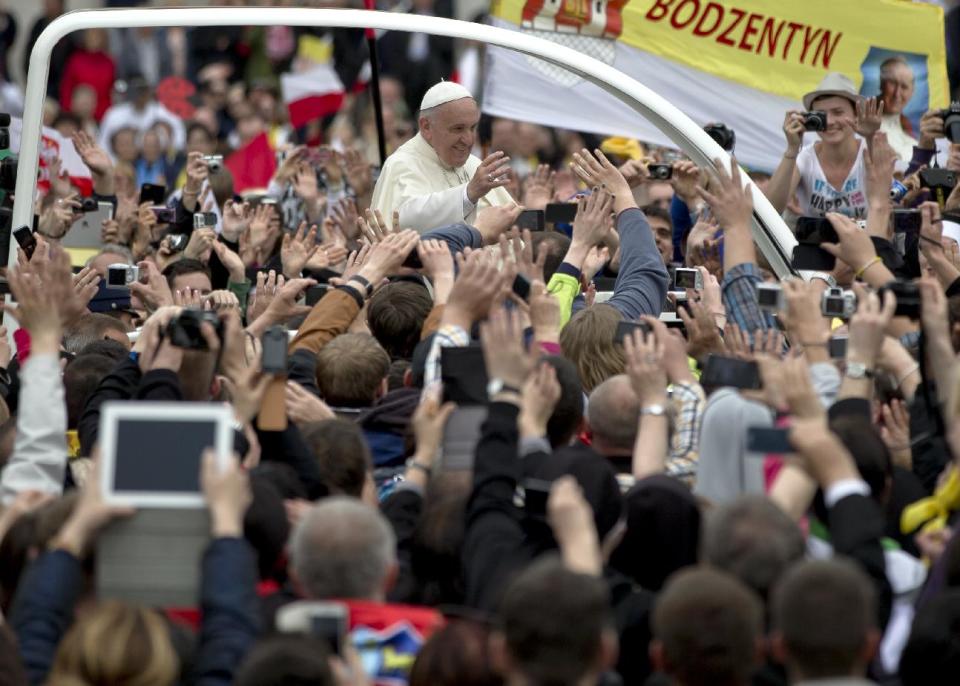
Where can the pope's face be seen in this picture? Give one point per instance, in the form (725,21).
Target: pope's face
(897,90)
(452,130)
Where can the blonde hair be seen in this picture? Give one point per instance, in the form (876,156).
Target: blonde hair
(587,341)
(116,644)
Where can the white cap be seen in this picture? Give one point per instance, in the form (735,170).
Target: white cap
(442,93)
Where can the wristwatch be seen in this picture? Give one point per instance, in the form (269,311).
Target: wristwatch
(858,370)
(498,386)
(653,411)
(413,464)
(825,277)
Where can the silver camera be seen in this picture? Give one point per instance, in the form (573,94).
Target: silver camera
(122,275)
(837,302)
(204,220)
(770,297)
(684,278)
(214,163)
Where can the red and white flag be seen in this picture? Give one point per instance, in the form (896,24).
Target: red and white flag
(53,146)
(312,94)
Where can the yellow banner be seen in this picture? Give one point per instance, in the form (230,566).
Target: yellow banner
(782,47)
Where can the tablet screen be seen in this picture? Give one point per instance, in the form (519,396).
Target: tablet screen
(161,456)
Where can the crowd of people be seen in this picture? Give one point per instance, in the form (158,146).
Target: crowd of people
(519,448)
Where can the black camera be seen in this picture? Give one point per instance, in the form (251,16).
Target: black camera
(88,205)
(184,331)
(660,172)
(8,173)
(951,122)
(815,120)
(938,178)
(908,298)
(723,135)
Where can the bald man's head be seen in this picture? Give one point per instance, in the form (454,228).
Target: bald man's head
(613,413)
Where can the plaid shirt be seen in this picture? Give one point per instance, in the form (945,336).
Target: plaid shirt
(447,336)
(740,299)
(688,400)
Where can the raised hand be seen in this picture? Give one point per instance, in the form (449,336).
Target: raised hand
(599,172)
(493,221)
(540,395)
(97,160)
(346,218)
(374,228)
(539,187)
(231,262)
(303,407)
(358,173)
(297,249)
(869,116)
(730,201)
(635,172)
(236,219)
(879,160)
(592,221)
(200,244)
(152,290)
(703,336)
(227,492)
(643,355)
(571,520)
(478,283)
(503,351)
(492,173)
(855,247)
(804,322)
(220,300)
(868,326)
(685,179)
(793,129)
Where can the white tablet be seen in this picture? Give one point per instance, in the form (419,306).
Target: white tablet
(87,231)
(150,452)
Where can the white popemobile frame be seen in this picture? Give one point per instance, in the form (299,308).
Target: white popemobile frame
(772,235)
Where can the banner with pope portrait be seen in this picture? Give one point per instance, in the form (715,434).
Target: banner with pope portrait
(740,62)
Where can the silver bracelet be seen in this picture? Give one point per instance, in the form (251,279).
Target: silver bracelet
(909,372)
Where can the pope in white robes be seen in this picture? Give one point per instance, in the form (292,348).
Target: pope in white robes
(433,179)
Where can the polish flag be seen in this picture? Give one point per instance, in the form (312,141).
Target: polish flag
(53,146)
(312,94)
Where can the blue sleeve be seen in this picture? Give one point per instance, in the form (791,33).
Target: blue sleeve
(740,299)
(228,601)
(43,609)
(456,236)
(682,223)
(641,286)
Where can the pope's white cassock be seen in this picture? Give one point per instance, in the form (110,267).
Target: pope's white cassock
(427,192)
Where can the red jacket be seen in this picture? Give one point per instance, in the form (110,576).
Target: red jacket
(94,69)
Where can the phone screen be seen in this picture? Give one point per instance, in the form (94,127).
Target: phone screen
(153,193)
(812,257)
(816,230)
(768,440)
(729,371)
(536,493)
(274,357)
(331,628)
(561,212)
(625,329)
(26,240)
(531,219)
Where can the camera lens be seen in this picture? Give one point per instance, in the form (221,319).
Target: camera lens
(951,124)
